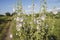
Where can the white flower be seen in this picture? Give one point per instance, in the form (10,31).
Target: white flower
(18,29)
(20,25)
(23,22)
(30,22)
(37,27)
(43,17)
(17,19)
(35,20)
(38,22)
(18,14)
(14,18)
(21,19)
(55,12)
(11,35)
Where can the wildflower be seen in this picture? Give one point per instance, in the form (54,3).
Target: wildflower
(38,22)
(35,21)
(14,18)
(11,35)
(18,14)
(18,29)
(43,17)
(21,19)
(17,19)
(30,22)
(37,27)
(19,25)
(55,12)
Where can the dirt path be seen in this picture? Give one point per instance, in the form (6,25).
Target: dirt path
(8,31)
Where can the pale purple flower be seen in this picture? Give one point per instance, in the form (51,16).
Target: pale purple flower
(21,19)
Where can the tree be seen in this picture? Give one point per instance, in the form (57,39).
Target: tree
(7,14)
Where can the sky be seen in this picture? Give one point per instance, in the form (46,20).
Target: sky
(9,5)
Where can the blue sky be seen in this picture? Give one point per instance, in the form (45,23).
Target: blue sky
(8,5)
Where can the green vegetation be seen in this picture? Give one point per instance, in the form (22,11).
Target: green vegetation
(33,34)
(40,26)
(4,26)
(5,20)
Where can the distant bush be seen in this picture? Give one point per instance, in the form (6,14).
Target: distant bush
(7,14)
(1,15)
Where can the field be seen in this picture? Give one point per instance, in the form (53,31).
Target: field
(7,25)
(4,26)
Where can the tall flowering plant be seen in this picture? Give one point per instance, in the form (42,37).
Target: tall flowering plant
(29,27)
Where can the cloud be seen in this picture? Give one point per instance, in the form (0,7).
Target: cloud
(13,9)
(29,6)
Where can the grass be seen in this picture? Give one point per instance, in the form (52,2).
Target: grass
(4,26)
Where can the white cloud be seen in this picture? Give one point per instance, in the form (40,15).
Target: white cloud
(13,9)
(28,11)
(29,6)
